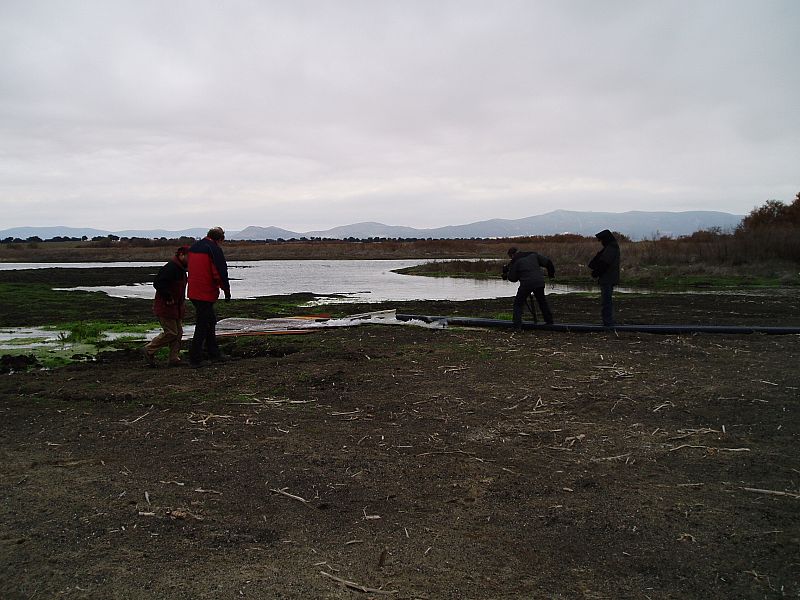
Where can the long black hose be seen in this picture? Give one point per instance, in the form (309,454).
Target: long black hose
(584,328)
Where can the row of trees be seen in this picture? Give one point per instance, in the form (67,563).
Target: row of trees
(559,237)
(109,240)
(100,240)
(36,238)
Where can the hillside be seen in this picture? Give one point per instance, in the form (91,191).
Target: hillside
(635,224)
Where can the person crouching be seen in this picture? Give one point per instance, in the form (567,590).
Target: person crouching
(169,306)
(526,267)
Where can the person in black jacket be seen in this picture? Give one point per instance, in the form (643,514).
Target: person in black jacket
(169,306)
(526,267)
(605,267)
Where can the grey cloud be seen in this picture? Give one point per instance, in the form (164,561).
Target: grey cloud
(315,112)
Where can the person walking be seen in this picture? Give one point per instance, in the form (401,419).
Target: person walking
(169,306)
(526,267)
(605,268)
(208,274)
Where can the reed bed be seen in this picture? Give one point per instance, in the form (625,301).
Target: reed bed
(771,253)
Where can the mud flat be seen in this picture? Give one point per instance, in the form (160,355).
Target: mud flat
(412,463)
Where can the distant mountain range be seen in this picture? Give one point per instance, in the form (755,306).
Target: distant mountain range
(635,224)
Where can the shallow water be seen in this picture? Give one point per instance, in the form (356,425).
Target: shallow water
(18,338)
(337,281)
(357,281)
(22,338)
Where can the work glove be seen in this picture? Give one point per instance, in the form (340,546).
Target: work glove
(227,295)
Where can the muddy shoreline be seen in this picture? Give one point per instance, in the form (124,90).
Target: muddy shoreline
(460,463)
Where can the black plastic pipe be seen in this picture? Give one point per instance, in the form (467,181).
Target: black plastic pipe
(584,328)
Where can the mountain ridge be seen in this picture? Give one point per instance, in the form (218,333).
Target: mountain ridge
(634,224)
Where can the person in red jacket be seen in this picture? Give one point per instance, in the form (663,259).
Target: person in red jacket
(170,308)
(208,274)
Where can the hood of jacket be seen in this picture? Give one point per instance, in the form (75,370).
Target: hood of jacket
(606,237)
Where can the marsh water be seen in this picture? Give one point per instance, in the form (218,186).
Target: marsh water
(332,281)
(335,281)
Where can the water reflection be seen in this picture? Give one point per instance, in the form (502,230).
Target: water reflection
(343,281)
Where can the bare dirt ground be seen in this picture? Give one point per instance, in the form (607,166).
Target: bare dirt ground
(415,463)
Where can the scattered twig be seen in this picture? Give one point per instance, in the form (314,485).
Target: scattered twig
(471,454)
(281,401)
(202,491)
(687,446)
(357,586)
(283,492)
(570,441)
(180,513)
(136,419)
(711,448)
(204,421)
(244,404)
(618,457)
(692,432)
(772,492)
(71,463)
(758,576)
(618,372)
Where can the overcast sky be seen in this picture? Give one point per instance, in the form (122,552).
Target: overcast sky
(310,114)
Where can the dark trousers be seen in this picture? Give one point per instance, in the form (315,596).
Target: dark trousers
(519,303)
(606,304)
(205,333)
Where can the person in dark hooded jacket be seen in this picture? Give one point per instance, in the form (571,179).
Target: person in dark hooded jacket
(605,267)
(169,306)
(526,267)
(208,274)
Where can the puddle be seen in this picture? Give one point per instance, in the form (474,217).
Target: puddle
(20,338)
(14,339)
(49,348)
